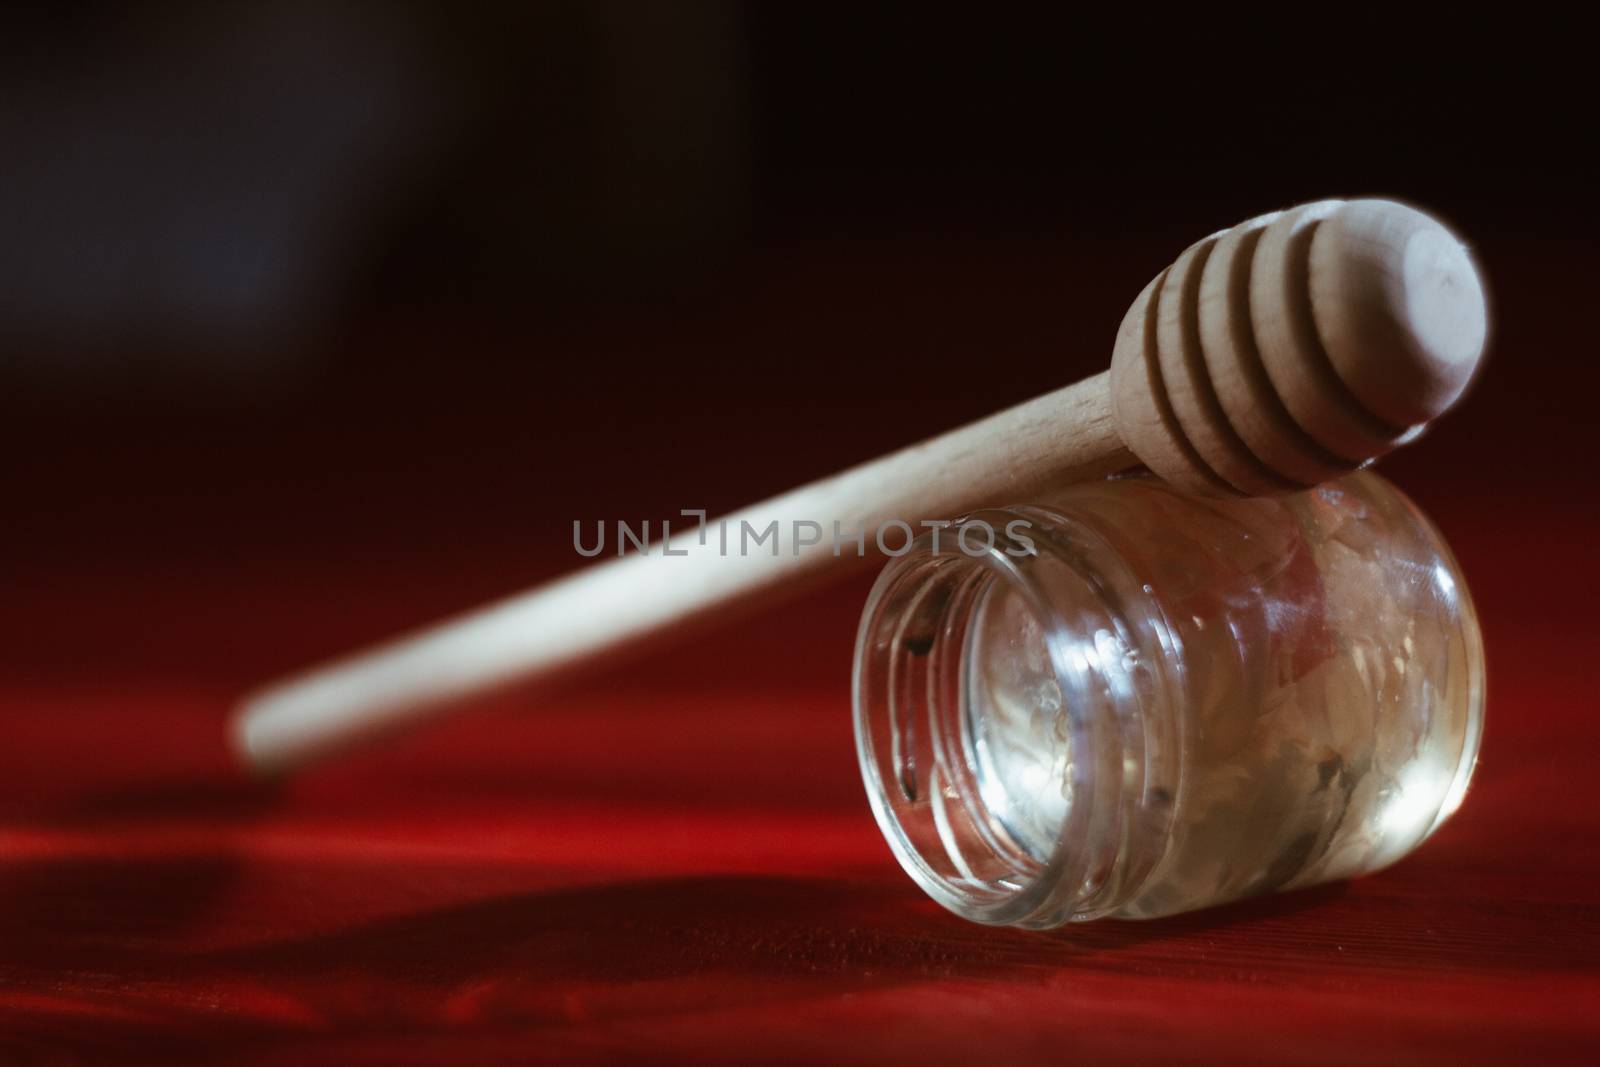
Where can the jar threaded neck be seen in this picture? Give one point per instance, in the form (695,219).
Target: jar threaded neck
(1003,721)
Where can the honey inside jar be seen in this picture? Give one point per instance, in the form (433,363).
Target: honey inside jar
(1168,701)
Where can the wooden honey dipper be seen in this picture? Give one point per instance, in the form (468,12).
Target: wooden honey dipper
(1291,349)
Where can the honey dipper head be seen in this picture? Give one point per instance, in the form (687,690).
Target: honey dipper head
(1297,346)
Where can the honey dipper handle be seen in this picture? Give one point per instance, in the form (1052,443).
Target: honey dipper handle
(1270,357)
(547,632)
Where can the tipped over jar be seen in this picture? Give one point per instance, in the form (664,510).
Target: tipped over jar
(1132,702)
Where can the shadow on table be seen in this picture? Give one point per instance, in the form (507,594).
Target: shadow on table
(104,882)
(853,931)
(519,963)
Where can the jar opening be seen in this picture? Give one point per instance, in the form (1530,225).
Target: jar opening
(987,694)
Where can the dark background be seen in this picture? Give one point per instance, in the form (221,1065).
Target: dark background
(318,321)
(393,282)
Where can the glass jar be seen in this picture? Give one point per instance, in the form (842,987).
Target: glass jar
(1129,701)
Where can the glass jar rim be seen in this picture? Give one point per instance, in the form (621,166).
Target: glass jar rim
(1075,584)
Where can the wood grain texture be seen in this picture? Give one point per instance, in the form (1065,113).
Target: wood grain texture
(1190,390)
(1139,397)
(1291,350)
(1239,379)
(1295,346)
(1399,309)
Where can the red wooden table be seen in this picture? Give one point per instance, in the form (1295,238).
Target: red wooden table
(676,861)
